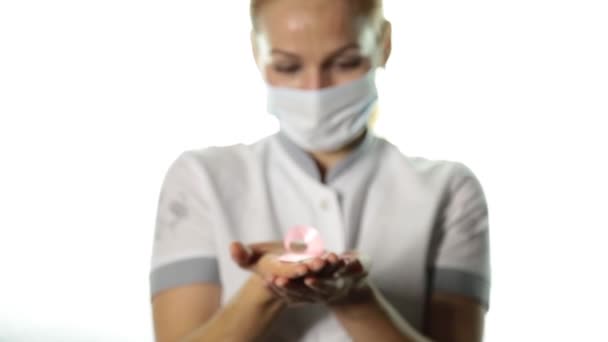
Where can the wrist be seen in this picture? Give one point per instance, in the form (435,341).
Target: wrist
(258,290)
(360,296)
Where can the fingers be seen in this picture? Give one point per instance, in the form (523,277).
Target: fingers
(313,288)
(331,290)
(262,258)
(252,252)
(343,278)
(294,293)
(270,264)
(325,265)
(316,264)
(327,279)
(332,258)
(281,281)
(240,254)
(351,267)
(330,263)
(334,264)
(319,286)
(247,256)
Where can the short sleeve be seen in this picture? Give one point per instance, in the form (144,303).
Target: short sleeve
(461,262)
(183,249)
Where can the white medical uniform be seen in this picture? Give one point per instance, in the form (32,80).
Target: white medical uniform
(423,223)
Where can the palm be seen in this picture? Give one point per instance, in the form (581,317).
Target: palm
(263,259)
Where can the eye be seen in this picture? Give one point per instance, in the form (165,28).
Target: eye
(286,68)
(350,63)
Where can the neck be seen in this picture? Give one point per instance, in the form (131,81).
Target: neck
(327,160)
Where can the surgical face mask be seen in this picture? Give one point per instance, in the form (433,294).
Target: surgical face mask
(324,119)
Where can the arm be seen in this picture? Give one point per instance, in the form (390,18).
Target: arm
(185,279)
(454,318)
(249,314)
(177,312)
(459,291)
(366,315)
(193,313)
(451,318)
(371,318)
(245,318)
(360,308)
(460,267)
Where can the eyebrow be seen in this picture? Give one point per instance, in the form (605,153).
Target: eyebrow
(333,55)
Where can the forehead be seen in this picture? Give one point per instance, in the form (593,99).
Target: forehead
(294,24)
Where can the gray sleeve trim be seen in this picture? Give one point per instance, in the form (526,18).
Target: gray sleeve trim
(462,283)
(184,272)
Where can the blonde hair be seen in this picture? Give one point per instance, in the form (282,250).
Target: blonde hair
(371,9)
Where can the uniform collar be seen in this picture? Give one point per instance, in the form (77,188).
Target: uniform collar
(305,161)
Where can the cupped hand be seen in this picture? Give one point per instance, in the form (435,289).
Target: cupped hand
(263,259)
(340,279)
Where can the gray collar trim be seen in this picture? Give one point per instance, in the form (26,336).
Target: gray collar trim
(308,165)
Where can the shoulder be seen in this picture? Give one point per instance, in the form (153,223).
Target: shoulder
(437,172)
(218,171)
(221,161)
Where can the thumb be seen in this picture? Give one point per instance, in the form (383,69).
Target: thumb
(241,254)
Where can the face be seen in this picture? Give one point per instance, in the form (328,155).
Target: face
(314,44)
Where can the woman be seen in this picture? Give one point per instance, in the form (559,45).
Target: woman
(422,224)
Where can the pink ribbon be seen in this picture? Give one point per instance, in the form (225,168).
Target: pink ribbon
(301,243)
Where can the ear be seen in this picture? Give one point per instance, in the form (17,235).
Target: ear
(254,47)
(386,42)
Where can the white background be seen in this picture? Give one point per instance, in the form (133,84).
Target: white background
(97,98)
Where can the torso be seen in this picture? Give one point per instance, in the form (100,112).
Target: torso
(385,206)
